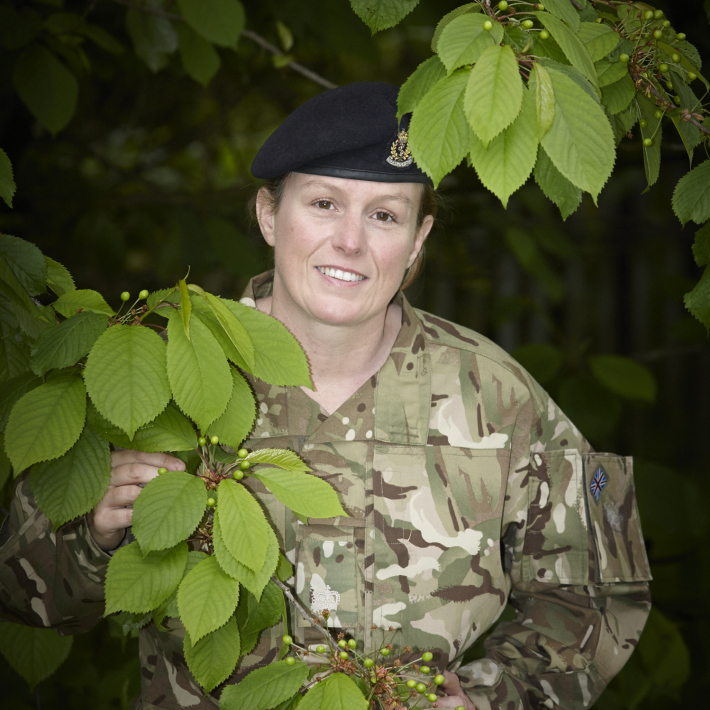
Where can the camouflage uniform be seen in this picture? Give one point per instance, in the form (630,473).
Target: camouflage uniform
(466,487)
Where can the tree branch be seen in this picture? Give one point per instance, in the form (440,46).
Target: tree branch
(697,124)
(253,36)
(576,5)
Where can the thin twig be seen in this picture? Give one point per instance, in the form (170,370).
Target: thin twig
(249,34)
(576,5)
(654,91)
(604,2)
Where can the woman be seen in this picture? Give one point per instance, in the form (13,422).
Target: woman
(465,486)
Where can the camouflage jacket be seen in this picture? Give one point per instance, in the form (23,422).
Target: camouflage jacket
(466,489)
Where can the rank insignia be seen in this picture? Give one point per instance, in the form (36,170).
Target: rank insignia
(599,480)
(399,156)
(323,600)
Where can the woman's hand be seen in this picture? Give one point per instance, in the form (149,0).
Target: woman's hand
(455,697)
(130,471)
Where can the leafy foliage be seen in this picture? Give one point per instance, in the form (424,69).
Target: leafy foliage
(7,182)
(266,687)
(382,14)
(215,655)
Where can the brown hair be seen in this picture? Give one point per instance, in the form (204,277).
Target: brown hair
(429,205)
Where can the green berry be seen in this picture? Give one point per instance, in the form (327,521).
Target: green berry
(658,14)
(648,15)
(368,663)
(540,6)
(675,57)
(411,683)
(343,655)
(664,68)
(385,651)
(343,643)
(692,76)
(643,123)
(658,34)
(352,643)
(459,707)
(244,465)
(162,469)
(658,114)
(680,36)
(125,296)
(669,85)
(502,5)
(666,23)
(424,669)
(320,649)
(439,680)
(487,25)
(211,502)
(214,440)
(544,34)
(242,453)
(238,475)
(599,20)
(144,294)
(427,656)
(290,661)
(202,441)
(676,100)
(647,142)
(287,640)
(421,688)
(527,24)
(432,697)
(624,58)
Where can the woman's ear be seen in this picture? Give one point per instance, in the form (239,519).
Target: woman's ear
(265,215)
(420,238)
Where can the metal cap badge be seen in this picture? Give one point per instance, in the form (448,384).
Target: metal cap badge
(399,156)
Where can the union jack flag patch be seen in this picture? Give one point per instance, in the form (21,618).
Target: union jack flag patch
(598,482)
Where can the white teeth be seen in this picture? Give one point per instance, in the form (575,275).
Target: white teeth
(339,274)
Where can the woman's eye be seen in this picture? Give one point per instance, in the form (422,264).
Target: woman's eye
(324,204)
(383,216)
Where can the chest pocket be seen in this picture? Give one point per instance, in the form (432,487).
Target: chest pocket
(436,540)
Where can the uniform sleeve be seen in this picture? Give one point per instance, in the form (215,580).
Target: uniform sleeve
(46,578)
(577,569)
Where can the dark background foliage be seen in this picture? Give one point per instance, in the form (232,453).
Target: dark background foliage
(151,178)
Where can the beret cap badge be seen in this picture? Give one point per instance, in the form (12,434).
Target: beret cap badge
(399,156)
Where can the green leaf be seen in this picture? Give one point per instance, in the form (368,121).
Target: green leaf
(244,525)
(233,426)
(84,299)
(540,85)
(438,132)
(564,10)
(418,84)
(303,493)
(684,62)
(14,354)
(599,39)
(206,598)
(382,14)
(170,431)
(624,121)
(610,72)
(283,458)
(278,357)
(555,186)
(35,654)
(26,262)
(464,39)
(46,422)
(449,17)
(542,360)
(494,94)
(167,510)
(701,252)
(534,262)
(265,687)
(169,606)
(74,483)
(126,376)
(508,161)
(5,465)
(58,277)
(285,36)
(254,615)
(255,582)
(153,37)
(617,97)
(46,87)
(218,21)
(575,75)
(67,343)
(166,295)
(654,130)
(697,301)
(185,307)
(625,377)
(214,657)
(198,370)
(200,59)
(580,142)
(691,199)
(337,692)
(7,181)
(12,390)
(570,44)
(140,584)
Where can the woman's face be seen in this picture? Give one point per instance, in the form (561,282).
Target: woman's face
(341,246)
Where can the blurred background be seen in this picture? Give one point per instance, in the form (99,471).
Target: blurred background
(151,178)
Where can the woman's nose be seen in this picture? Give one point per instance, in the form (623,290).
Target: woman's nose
(349,236)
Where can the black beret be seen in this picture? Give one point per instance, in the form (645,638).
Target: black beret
(347,132)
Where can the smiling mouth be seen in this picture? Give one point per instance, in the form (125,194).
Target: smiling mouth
(339,274)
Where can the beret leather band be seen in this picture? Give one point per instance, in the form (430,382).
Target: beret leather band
(349,132)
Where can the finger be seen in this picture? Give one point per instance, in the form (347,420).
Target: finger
(119,497)
(136,474)
(109,521)
(451,684)
(128,456)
